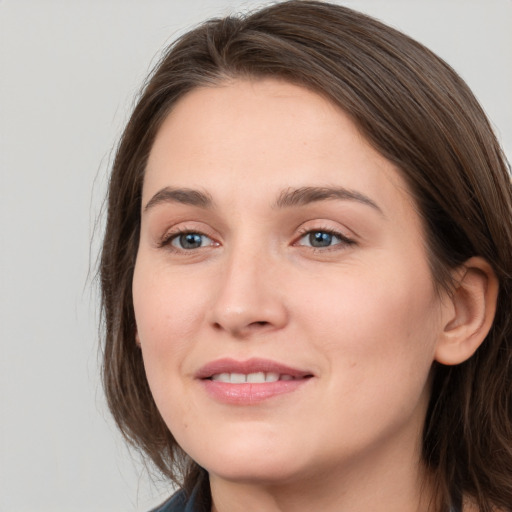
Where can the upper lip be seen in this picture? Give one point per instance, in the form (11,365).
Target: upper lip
(253,365)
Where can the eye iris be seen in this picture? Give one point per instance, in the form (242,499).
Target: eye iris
(190,240)
(320,239)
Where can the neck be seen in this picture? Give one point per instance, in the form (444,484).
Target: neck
(367,485)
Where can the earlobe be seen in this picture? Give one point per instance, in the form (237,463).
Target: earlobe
(137,339)
(470,313)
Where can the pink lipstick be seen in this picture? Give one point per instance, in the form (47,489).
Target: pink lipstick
(249,382)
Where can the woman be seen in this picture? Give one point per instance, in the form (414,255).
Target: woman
(306,272)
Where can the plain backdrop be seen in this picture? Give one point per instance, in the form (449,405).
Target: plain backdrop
(69,72)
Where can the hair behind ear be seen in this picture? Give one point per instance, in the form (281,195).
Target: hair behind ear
(467,439)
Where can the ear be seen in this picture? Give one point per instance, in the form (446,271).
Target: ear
(469,312)
(137,339)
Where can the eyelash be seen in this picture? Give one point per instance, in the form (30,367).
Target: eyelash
(170,237)
(344,241)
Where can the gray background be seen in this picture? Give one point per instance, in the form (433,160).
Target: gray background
(68,74)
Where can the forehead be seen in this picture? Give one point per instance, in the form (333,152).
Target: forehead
(255,138)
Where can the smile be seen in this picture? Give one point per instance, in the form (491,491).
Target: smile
(253,378)
(249,382)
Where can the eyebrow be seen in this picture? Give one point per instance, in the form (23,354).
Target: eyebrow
(180,195)
(288,198)
(306,195)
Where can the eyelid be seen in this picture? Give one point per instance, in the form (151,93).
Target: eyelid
(165,241)
(345,240)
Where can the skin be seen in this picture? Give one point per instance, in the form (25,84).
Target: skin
(362,316)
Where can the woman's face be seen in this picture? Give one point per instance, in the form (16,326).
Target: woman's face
(284,303)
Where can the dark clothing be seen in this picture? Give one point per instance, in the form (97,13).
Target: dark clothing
(180,503)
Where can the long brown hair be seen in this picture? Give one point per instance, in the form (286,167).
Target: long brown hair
(419,114)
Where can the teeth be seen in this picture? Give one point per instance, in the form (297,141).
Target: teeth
(237,378)
(222,377)
(255,378)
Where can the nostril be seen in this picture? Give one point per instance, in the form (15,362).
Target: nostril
(259,324)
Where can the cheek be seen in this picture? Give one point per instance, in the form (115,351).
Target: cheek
(377,338)
(375,324)
(168,313)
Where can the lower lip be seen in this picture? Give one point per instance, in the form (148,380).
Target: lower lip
(249,394)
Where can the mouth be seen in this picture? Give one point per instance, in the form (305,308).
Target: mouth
(250,382)
(251,378)
(253,371)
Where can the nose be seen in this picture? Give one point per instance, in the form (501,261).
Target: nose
(250,298)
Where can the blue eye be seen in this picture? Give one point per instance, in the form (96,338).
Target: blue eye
(320,239)
(190,240)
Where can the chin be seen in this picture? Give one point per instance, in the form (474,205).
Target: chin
(267,472)
(249,461)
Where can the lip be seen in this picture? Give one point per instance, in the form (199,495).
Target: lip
(249,393)
(249,366)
